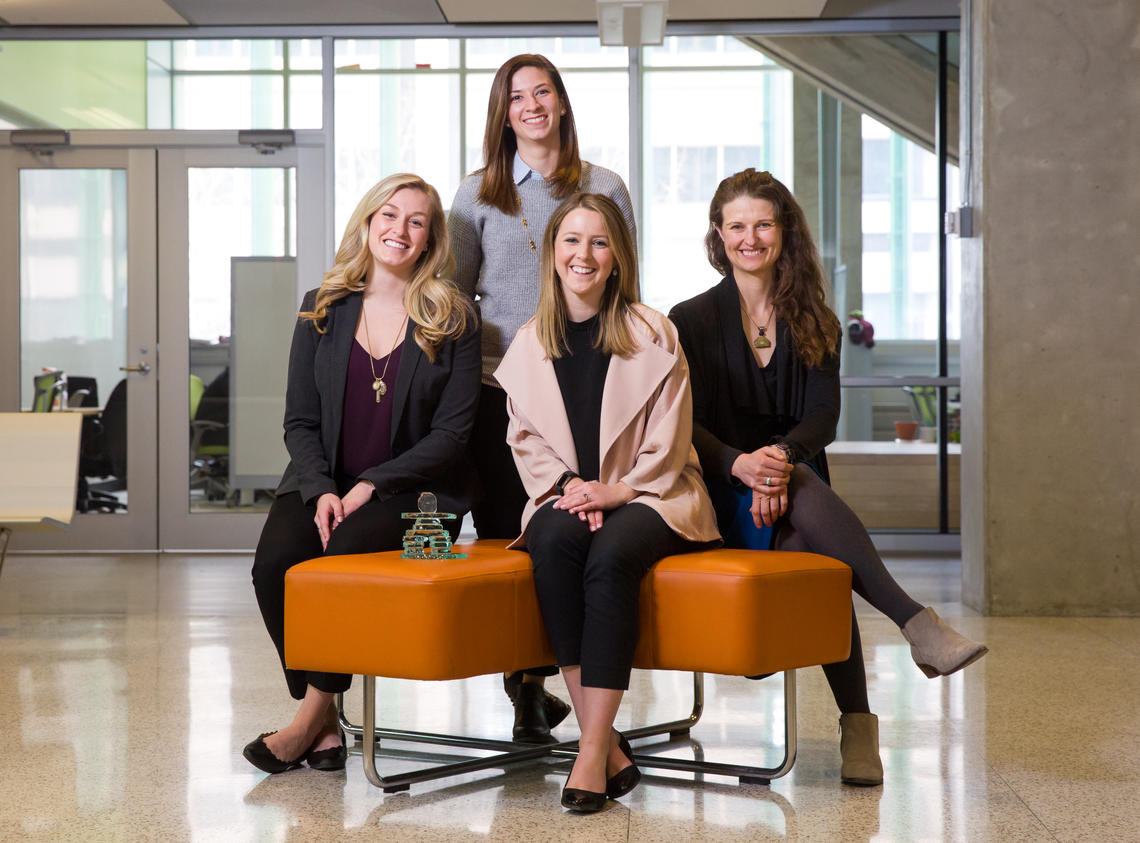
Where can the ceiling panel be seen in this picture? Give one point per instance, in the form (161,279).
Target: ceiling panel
(301,12)
(525,11)
(87,13)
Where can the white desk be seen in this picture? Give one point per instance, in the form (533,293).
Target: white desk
(39,471)
(895,484)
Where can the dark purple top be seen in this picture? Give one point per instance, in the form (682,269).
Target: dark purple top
(366,433)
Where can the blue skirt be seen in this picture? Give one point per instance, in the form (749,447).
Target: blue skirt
(734,516)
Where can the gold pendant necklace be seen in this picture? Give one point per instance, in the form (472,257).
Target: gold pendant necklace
(761,340)
(378,385)
(526,228)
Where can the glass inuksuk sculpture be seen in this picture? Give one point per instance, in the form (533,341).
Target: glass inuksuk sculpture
(427,538)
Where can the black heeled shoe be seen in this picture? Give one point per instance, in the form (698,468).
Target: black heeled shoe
(328,760)
(626,779)
(582,801)
(260,756)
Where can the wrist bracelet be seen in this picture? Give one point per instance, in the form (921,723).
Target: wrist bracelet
(566,477)
(789,454)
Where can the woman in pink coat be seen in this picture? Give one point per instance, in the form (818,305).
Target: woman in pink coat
(601,431)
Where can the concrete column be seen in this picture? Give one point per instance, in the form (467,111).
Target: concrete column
(1050,314)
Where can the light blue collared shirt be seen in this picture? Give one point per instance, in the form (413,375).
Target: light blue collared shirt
(522,170)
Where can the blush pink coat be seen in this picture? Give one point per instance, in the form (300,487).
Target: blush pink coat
(646,427)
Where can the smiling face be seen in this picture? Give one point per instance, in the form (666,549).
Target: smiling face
(535,111)
(583,259)
(398,232)
(752,235)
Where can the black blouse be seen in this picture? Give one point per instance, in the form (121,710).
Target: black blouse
(727,418)
(581,378)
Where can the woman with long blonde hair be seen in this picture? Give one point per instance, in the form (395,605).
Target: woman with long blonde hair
(600,427)
(530,164)
(382,389)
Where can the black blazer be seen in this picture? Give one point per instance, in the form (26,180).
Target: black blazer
(432,413)
(806,398)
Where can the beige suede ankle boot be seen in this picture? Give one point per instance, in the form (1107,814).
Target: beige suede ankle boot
(936,647)
(859,746)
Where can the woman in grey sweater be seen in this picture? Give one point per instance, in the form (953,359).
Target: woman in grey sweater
(530,164)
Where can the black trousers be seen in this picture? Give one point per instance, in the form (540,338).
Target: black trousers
(290,537)
(588,584)
(500,498)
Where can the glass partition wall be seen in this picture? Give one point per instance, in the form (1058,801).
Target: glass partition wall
(862,127)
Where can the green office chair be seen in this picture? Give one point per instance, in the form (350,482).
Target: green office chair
(47,386)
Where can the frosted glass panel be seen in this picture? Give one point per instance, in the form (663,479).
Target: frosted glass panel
(235,214)
(73,316)
(73,275)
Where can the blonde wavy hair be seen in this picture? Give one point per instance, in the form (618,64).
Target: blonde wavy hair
(619,298)
(436,306)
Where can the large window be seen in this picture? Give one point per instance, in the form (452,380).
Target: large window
(421,105)
(846,121)
(713,107)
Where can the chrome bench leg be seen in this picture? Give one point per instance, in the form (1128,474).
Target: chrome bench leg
(508,752)
(514,753)
(745,773)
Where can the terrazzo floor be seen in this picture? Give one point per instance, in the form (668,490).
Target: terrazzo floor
(130,684)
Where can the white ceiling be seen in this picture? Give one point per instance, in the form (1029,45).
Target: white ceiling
(204,13)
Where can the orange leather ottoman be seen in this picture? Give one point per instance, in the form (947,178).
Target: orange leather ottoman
(379,615)
(742,612)
(735,612)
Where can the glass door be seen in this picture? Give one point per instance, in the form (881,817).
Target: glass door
(77,318)
(241,238)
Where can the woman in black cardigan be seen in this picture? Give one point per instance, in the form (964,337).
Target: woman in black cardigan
(763,350)
(382,392)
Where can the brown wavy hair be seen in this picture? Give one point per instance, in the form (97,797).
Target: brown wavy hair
(500,144)
(614,334)
(436,306)
(800,294)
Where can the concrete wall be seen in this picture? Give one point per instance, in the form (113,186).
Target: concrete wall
(1050,360)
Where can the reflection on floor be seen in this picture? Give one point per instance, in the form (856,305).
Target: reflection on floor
(130,684)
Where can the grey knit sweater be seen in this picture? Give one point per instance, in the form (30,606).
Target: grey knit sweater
(493,255)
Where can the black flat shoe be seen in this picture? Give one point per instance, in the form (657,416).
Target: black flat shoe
(531,725)
(626,779)
(329,760)
(582,801)
(259,755)
(556,709)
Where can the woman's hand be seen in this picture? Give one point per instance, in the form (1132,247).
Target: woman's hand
(764,470)
(330,512)
(590,499)
(766,508)
(357,496)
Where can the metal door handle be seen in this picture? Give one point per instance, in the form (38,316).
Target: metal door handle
(143,368)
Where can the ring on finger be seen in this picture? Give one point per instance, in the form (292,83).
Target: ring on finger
(767,481)
(587,494)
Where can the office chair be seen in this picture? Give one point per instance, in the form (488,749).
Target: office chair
(46,388)
(104,454)
(82,391)
(210,436)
